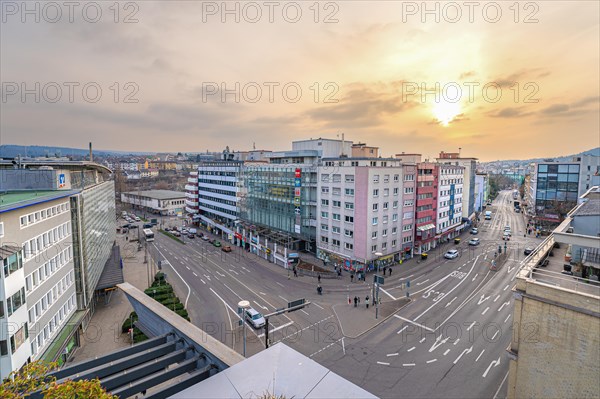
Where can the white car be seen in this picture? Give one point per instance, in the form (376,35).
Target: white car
(256,319)
(137,219)
(474,241)
(506,236)
(453,253)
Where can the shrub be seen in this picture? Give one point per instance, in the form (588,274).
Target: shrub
(170,301)
(183,313)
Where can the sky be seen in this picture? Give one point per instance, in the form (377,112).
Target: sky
(500,80)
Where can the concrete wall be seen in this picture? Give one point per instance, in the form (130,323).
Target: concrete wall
(555,350)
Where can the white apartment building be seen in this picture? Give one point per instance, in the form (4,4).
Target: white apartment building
(365,206)
(450,201)
(37,282)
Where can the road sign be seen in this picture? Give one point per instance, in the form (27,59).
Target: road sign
(297,302)
(378,279)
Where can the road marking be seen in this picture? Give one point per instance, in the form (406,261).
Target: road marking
(480,355)
(450,303)
(438,342)
(321,350)
(496,333)
(305,328)
(280,284)
(387,293)
(303,312)
(234,293)
(194,273)
(447,350)
(456,342)
(383,363)
(276,329)
(392,354)
(483,299)
(412,322)
(220,274)
(505,288)
(203,282)
(494,363)
(343,346)
(187,267)
(411,349)
(498,297)
(207,277)
(423,282)
(476,274)
(282,298)
(402,329)
(507,317)
(317,305)
(259,305)
(486,309)
(503,305)
(502,383)
(409,276)
(408,364)
(231,270)
(422,340)
(262,293)
(431,361)
(471,326)
(462,353)
(184,282)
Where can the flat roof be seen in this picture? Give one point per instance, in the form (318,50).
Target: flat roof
(12,200)
(158,194)
(589,208)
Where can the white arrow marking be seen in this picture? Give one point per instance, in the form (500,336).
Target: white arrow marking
(207,277)
(463,352)
(485,311)
(423,282)
(494,363)
(438,343)
(503,305)
(471,326)
(450,303)
(482,299)
(498,297)
(509,269)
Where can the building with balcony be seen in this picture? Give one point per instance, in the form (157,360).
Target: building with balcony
(426,206)
(365,206)
(470,168)
(191,193)
(555,344)
(162,202)
(450,202)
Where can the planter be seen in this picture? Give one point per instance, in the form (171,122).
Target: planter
(423,256)
(567,257)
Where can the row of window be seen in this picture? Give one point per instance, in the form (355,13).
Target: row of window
(449,223)
(449,192)
(218,182)
(336,243)
(446,182)
(36,217)
(41,306)
(424,219)
(13,303)
(38,244)
(219,200)
(16,340)
(446,213)
(12,263)
(53,326)
(337,191)
(424,196)
(219,209)
(39,275)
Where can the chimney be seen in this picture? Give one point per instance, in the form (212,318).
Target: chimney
(91,156)
(342,154)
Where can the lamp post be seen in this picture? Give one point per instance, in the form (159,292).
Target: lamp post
(376,284)
(378,255)
(242,306)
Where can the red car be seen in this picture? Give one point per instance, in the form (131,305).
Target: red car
(226,248)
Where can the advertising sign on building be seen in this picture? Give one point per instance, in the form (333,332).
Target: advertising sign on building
(61,180)
(297,196)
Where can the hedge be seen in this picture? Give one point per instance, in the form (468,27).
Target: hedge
(170,301)
(155,291)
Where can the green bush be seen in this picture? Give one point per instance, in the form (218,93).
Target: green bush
(155,291)
(170,301)
(160,276)
(183,313)
(174,307)
(172,236)
(164,297)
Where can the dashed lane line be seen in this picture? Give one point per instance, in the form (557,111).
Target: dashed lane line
(305,328)
(328,346)
(447,350)
(392,354)
(480,355)
(485,311)
(411,349)
(408,365)
(383,363)
(431,361)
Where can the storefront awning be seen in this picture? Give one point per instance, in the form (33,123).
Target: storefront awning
(426,227)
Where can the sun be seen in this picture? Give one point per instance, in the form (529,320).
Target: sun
(445,111)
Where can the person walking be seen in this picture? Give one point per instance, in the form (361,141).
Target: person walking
(319,278)
(367,301)
(355,301)
(390,271)
(352,278)
(295,272)
(349,301)
(384,270)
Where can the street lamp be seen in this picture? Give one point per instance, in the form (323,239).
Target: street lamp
(242,306)
(376,284)
(378,255)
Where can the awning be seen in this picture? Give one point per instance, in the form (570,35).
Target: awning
(426,227)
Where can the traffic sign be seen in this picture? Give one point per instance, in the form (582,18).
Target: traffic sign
(378,279)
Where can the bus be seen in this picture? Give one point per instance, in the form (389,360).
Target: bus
(148,235)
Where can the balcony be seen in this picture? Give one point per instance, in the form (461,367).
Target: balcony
(191,203)
(193,180)
(191,187)
(192,195)
(191,210)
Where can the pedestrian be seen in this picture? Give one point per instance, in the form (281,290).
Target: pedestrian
(355,301)
(352,278)
(367,301)
(384,270)
(319,278)
(358,298)
(390,271)
(349,301)
(295,272)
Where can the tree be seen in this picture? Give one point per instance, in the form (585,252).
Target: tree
(34,376)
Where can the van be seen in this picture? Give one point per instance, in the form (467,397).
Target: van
(254,318)
(192,231)
(488,215)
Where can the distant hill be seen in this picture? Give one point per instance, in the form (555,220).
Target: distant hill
(12,151)
(563,158)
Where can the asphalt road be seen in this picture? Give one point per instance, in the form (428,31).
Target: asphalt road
(449,341)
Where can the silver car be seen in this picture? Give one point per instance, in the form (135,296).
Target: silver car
(255,318)
(453,253)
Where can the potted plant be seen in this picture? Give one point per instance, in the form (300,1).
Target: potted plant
(578,270)
(568,254)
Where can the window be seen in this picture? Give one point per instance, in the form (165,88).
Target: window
(406,239)
(14,302)
(323,239)
(337,204)
(384,245)
(324,190)
(384,233)
(394,242)
(324,215)
(375,207)
(349,191)
(337,191)
(386,178)
(348,233)
(385,219)
(324,227)
(407,227)
(374,221)
(408,203)
(395,190)
(325,202)
(1,229)
(374,248)
(375,178)
(337,178)
(336,216)
(335,229)
(349,205)
(395,204)
(407,215)
(394,217)
(396,177)
(385,205)
(373,235)
(335,242)
(349,178)
(349,219)
(409,177)
(376,192)
(325,178)
(394,230)
(28,283)
(409,190)
(347,245)
(386,192)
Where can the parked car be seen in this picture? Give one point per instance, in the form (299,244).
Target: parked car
(217,243)
(474,230)
(192,230)
(451,254)
(185,231)
(191,235)
(255,318)
(226,248)
(137,219)
(147,225)
(176,233)
(528,250)
(126,226)
(167,229)
(474,241)
(205,238)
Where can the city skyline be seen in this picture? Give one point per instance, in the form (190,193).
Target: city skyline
(375,62)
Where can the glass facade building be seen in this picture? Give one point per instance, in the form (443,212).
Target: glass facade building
(556,182)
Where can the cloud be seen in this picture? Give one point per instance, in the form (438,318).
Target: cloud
(556,109)
(510,112)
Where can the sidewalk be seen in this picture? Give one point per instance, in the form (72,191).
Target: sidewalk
(103,334)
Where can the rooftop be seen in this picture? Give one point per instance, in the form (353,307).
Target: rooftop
(589,208)
(12,200)
(158,194)
(55,163)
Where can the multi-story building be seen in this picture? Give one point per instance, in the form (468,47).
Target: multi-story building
(365,207)
(326,148)
(218,186)
(361,150)
(163,202)
(37,283)
(481,191)
(191,193)
(470,168)
(555,343)
(426,206)
(449,202)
